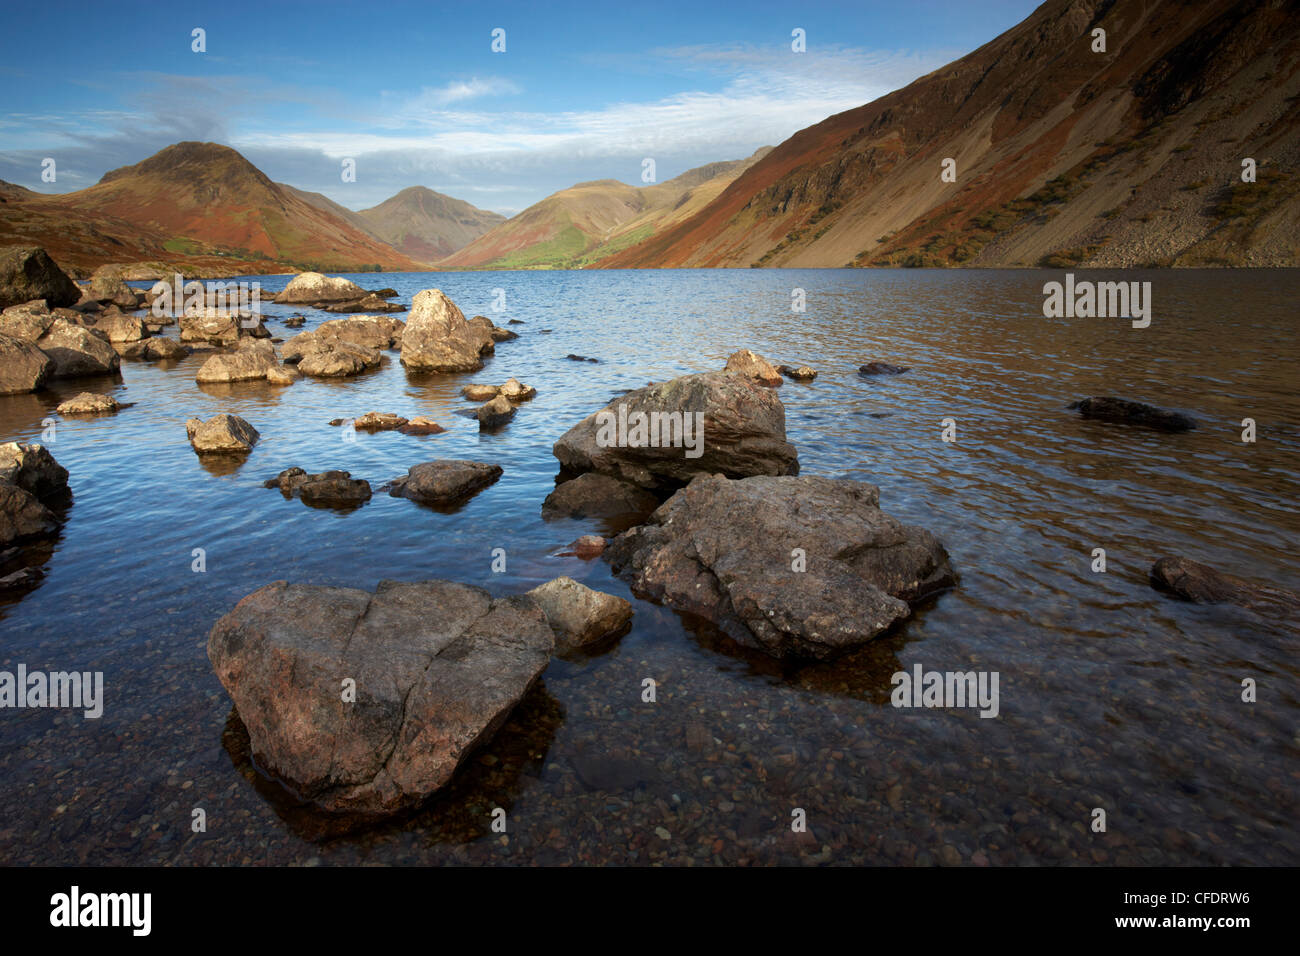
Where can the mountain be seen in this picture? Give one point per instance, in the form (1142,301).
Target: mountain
(199,203)
(1064,155)
(586,223)
(426,225)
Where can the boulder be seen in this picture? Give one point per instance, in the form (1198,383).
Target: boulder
(369,331)
(295,321)
(28,321)
(1203,584)
(578,615)
(1125,412)
(438,339)
(77,351)
(371,303)
(32,468)
(586,547)
(800,374)
(155,350)
(339,359)
(117,326)
(444,483)
(308,287)
(595,495)
(516,391)
(378,422)
(754,367)
(495,413)
(221,435)
(89,403)
(328,488)
(23,516)
(107,285)
(437,667)
(742,433)
(420,425)
(577,358)
(27,273)
(882,368)
(722,549)
(23,367)
(254,359)
(221,327)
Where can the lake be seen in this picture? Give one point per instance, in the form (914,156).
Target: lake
(1113,695)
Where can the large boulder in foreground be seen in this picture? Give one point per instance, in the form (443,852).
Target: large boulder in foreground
(23,367)
(1123,412)
(437,667)
(725,550)
(28,272)
(308,287)
(1203,584)
(221,435)
(741,433)
(438,339)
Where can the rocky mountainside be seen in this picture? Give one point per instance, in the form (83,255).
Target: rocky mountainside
(426,225)
(198,203)
(584,224)
(1063,154)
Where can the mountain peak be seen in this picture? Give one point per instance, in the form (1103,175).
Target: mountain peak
(192,162)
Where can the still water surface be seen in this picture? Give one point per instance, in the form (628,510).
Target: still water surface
(1112,695)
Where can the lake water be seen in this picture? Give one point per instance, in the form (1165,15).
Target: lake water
(1113,696)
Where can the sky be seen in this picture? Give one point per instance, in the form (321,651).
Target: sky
(414,94)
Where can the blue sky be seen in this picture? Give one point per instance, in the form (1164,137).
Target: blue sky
(415,95)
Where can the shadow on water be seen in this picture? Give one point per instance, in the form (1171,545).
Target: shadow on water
(490,777)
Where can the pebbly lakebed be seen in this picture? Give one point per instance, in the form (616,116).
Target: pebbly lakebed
(1112,694)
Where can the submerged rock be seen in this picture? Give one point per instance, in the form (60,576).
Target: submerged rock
(378,422)
(420,425)
(445,482)
(517,391)
(1134,413)
(88,403)
(223,434)
(1203,584)
(28,272)
(726,550)
(332,488)
(883,368)
(586,547)
(480,393)
(754,367)
(595,495)
(436,667)
(801,374)
(308,287)
(709,423)
(578,615)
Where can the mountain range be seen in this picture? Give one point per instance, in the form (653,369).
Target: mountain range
(1094,133)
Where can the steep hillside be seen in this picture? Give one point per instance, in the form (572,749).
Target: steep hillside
(426,225)
(1064,155)
(586,223)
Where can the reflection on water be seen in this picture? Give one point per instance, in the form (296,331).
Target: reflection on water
(1112,695)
